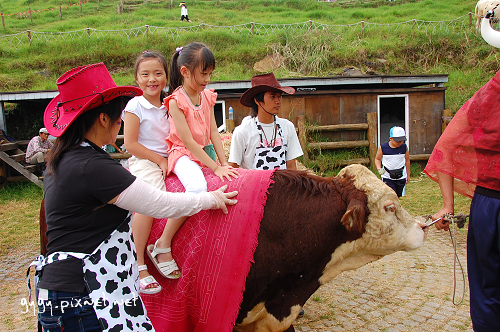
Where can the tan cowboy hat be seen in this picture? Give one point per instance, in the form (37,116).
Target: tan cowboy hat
(266,82)
(81,89)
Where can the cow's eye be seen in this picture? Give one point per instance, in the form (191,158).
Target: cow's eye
(390,207)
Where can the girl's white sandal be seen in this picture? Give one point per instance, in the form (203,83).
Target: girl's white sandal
(149,280)
(166,269)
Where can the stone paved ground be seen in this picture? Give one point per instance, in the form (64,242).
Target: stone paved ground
(401,292)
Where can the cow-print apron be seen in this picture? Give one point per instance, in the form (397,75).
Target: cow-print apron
(268,155)
(111,276)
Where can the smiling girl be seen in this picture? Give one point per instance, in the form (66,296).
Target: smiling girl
(146,126)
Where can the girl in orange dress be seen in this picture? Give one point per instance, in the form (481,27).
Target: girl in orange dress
(194,140)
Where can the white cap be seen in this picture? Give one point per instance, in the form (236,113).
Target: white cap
(398,134)
(43,130)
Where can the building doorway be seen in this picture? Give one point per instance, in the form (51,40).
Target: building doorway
(220,115)
(393,111)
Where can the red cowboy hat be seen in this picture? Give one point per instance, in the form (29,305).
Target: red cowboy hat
(266,82)
(81,89)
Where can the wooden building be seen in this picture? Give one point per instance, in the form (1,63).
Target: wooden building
(415,103)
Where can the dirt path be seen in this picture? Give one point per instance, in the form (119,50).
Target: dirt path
(401,292)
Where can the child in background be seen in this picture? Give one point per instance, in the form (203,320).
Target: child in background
(146,125)
(192,128)
(393,161)
(184,12)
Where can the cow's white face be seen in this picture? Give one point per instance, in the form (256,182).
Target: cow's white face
(389,229)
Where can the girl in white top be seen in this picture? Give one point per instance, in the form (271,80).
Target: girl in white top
(146,126)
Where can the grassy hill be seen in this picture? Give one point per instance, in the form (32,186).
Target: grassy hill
(334,42)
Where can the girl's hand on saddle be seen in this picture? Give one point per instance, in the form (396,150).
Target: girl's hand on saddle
(227,172)
(164,167)
(220,199)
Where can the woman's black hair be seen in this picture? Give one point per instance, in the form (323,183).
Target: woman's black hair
(255,108)
(148,55)
(75,134)
(192,56)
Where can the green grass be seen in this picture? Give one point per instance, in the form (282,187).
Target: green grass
(19,215)
(461,53)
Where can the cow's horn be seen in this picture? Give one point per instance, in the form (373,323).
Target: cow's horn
(490,35)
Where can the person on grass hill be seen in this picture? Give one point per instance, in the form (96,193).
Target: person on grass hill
(184,12)
(194,140)
(263,140)
(393,161)
(37,149)
(146,126)
(88,281)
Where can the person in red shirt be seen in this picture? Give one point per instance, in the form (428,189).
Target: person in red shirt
(466,159)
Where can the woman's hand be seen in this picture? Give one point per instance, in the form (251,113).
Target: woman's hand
(226,171)
(221,199)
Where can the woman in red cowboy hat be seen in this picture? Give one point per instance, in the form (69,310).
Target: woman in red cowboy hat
(88,197)
(263,140)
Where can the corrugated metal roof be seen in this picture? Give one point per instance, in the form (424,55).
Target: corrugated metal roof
(306,82)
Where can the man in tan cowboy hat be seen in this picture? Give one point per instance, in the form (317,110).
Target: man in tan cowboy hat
(263,140)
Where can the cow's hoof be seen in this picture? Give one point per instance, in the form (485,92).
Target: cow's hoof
(290,329)
(301,313)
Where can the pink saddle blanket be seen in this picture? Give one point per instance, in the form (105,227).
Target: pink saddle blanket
(214,252)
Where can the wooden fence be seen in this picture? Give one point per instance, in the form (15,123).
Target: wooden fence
(371,139)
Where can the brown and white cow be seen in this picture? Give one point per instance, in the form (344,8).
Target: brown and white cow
(314,228)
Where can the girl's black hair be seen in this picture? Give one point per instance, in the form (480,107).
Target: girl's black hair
(255,108)
(192,56)
(75,134)
(148,55)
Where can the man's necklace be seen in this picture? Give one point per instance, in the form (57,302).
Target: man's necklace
(192,102)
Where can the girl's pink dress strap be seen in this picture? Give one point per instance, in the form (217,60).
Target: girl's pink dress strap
(198,120)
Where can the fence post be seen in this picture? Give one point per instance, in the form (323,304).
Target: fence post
(470,19)
(121,7)
(29,11)
(303,136)
(446,117)
(413,24)
(29,36)
(371,119)
(203,26)
(147,31)
(60,12)
(88,32)
(81,10)
(310,25)
(171,4)
(362,25)
(3,21)
(253,26)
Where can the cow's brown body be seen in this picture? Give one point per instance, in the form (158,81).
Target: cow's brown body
(306,238)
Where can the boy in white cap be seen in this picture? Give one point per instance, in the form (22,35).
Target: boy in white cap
(393,161)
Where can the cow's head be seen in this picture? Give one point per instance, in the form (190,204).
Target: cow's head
(389,228)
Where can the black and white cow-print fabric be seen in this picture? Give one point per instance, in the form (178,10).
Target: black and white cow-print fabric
(270,154)
(111,275)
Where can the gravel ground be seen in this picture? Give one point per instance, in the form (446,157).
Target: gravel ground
(405,291)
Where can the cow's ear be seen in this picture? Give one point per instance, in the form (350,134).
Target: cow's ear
(354,218)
